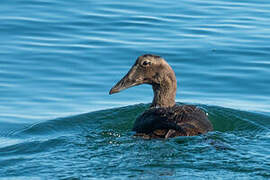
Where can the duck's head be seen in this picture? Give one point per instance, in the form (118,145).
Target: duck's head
(153,70)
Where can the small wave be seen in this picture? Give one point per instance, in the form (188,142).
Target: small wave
(29,146)
(96,138)
(223,119)
(106,125)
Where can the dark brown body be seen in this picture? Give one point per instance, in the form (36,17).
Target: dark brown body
(186,120)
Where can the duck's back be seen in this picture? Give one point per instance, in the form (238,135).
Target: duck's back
(186,120)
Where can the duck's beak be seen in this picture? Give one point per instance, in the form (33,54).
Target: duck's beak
(132,78)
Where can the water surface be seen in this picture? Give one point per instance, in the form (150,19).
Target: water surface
(58,60)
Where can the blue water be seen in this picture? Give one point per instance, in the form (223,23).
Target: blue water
(59,59)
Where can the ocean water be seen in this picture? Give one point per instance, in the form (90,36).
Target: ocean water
(59,59)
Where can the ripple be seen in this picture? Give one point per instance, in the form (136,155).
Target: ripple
(60,58)
(100,142)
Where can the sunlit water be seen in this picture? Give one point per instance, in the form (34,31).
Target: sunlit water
(59,59)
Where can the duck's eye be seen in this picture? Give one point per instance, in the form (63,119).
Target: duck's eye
(145,63)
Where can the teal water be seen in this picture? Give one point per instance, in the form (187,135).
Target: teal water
(59,59)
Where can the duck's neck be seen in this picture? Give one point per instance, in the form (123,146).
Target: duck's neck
(164,93)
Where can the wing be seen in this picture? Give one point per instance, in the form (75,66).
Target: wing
(193,120)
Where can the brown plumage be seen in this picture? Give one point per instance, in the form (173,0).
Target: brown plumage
(186,120)
(164,119)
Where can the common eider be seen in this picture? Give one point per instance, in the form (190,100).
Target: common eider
(164,119)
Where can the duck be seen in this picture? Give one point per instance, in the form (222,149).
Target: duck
(164,118)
